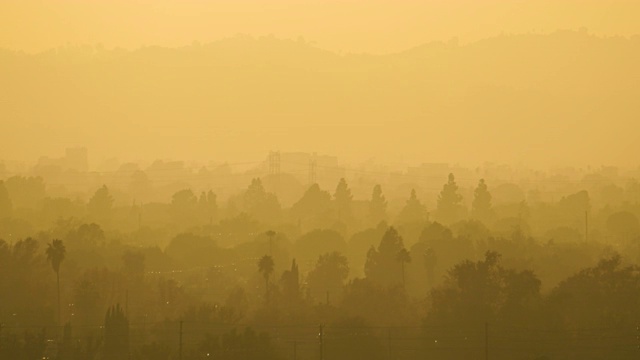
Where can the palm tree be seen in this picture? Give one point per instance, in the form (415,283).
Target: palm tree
(55,255)
(403,257)
(265,266)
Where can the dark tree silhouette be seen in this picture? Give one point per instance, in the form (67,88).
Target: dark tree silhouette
(403,257)
(475,292)
(382,266)
(430,263)
(413,211)
(447,249)
(449,202)
(65,348)
(291,283)
(481,206)
(184,199)
(56,252)
(377,206)
(184,206)
(208,202)
(100,204)
(134,265)
(343,199)
(208,205)
(257,202)
(329,275)
(26,192)
(266,267)
(313,202)
(116,334)
(596,295)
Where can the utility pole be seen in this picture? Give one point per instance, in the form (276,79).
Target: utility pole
(180,347)
(295,350)
(389,343)
(486,341)
(321,343)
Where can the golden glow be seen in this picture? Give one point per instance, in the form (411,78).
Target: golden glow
(504,82)
(347,25)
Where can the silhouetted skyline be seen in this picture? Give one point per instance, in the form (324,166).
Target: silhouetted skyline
(319,180)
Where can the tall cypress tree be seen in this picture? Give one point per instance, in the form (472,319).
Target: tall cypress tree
(343,199)
(116,334)
(377,206)
(414,211)
(449,202)
(481,206)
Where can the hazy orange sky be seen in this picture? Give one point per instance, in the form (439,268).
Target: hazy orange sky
(567,97)
(339,25)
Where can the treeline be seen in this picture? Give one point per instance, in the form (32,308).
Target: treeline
(255,280)
(479,305)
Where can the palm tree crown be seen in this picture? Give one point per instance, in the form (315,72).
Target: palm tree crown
(55,254)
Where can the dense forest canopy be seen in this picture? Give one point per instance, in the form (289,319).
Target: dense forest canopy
(380,274)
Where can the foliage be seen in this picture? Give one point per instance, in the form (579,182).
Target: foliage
(116,334)
(481,206)
(100,204)
(343,200)
(413,211)
(328,276)
(377,206)
(382,266)
(449,209)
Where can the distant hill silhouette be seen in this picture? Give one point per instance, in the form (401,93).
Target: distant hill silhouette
(520,97)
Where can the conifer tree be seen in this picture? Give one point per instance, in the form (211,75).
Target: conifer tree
(481,206)
(377,206)
(449,202)
(414,211)
(383,266)
(116,334)
(343,199)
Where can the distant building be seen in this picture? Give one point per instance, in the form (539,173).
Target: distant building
(74,159)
